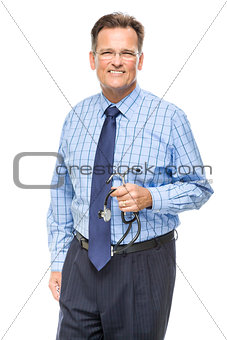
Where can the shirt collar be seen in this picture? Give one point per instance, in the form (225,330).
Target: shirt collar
(128,105)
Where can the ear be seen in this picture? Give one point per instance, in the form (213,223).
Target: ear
(92,60)
(140,64)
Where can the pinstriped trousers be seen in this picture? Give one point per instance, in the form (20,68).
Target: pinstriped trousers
(129,299)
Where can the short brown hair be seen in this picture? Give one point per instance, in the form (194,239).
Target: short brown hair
(117,19)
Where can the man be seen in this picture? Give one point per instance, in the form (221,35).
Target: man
(127,295)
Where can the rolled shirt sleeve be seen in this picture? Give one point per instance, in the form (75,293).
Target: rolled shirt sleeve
(188,187)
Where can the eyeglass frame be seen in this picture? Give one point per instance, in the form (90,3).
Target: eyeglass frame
(114,53)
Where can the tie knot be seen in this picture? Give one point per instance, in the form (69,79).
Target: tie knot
(112,112)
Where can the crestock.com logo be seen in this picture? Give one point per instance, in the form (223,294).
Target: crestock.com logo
(16,170)
(61,170)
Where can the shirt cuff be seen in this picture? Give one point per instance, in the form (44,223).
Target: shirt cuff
(57,261)
(160,201)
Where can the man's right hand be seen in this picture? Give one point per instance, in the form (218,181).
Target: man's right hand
(55,284)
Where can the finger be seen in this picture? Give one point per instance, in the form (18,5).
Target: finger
(55,287)
(121,190)
(126,209)
(126,197)
(129,209)
(124,203)
(115,193)
(55,290)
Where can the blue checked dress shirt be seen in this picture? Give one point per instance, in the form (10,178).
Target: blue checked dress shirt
(154,142)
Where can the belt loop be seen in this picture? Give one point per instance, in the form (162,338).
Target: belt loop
(81,239)
(176,233)
(124,253)
(158,243)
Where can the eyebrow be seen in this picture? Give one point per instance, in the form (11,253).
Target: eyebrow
(111,50)
(106,49)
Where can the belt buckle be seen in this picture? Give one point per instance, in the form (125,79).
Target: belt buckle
(112,250)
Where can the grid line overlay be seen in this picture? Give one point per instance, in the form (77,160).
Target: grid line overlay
(148,118)
(166,142)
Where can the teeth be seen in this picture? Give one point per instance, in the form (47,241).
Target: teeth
(116,72)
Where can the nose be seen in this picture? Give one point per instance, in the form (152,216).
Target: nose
(117,60)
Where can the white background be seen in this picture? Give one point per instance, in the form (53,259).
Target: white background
(32,114)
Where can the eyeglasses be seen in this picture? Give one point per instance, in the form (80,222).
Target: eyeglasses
(125,55)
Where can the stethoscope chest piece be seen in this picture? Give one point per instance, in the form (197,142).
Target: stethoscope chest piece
(105,214)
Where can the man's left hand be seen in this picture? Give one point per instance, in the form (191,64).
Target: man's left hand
(132,197)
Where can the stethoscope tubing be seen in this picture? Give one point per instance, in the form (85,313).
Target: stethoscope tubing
(136,217)
(129,222)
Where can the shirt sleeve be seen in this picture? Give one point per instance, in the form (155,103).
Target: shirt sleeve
(59,217)
(188,187)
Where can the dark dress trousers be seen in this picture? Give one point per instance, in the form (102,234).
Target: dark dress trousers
(129,299)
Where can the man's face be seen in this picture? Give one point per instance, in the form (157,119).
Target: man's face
(116,74)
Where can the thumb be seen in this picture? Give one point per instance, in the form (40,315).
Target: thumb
(113,189)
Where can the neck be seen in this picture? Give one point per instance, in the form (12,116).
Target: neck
(115,95)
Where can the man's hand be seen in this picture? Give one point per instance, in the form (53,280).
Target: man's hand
(132,197)
(55,284)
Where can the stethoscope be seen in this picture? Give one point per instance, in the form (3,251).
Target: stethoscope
(106,215)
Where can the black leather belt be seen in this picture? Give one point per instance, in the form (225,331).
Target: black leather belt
(154,242)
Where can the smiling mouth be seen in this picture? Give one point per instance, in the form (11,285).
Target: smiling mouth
(116,72)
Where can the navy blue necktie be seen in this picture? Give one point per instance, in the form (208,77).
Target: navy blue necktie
(99,250)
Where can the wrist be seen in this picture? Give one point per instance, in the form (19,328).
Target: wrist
(149,200)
